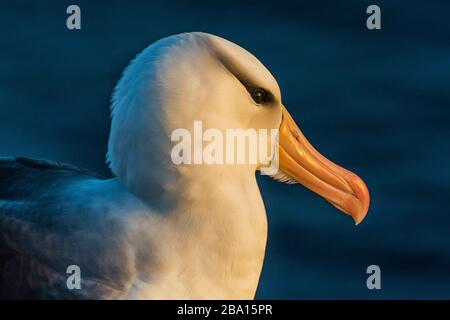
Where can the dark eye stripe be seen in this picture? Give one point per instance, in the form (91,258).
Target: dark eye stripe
(231,64)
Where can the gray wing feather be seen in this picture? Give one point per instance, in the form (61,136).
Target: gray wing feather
(42,233)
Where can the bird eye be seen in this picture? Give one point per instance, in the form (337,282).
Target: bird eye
(258,95)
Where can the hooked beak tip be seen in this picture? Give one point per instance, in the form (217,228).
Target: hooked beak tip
(362,194)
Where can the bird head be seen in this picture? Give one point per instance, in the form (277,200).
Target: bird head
(201,77)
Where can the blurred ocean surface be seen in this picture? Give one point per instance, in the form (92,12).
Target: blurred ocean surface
(376,102)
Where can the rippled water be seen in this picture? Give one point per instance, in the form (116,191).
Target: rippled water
(375,102)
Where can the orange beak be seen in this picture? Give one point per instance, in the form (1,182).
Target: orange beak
(298,159)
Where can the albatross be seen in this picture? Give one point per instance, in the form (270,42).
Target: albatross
(158,230)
